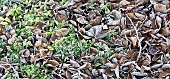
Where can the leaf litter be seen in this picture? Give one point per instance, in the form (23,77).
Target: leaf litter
(74,39)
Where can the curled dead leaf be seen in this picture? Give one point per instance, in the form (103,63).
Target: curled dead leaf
(40,24)
(81,20)
(134,40)
(61,16)
(132,15)
(116,14)
(97,32)
(38,43)
(73,22)
(140,16)
(62,32)
(25,53)
(59,33)
(94,51)
(124,3)
(146,62)
(51,63)
(82,30)
(5,65)
(111,65)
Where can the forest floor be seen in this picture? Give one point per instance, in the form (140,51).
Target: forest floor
(85,39)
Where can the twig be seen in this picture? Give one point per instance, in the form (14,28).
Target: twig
(16,64)
(139,41)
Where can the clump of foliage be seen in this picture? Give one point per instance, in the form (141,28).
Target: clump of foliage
(27,71)
(70,45)
(32,71)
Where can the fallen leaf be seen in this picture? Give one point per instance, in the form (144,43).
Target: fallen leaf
(134,41)
(111,65)
(81,20)
(94,51)
(124,2)
(51,63)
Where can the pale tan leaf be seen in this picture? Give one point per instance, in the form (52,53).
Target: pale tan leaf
(134,40)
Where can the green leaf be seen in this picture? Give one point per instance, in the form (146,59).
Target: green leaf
(11,11)
(98,64)
(50,48)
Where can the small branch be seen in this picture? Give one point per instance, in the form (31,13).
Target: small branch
(139,41)
(15,64)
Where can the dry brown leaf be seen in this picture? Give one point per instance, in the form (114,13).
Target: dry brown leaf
(129,53)
(165,31)
(94,51)
(96,21)
(135,55)
(33,58)
(25,53)
(51,63)
(141,16)
(146,62)
(128,32)
(134,40)
(81,20)
(40,24)
(38,43)
(5,65)
(111,65)
(132,15)
(73,23)
(59,33)
(82,30)
(124,2)
(68,74)
(61,16)
(116,14)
